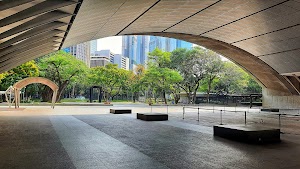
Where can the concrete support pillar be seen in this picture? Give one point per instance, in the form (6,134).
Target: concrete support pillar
(280,100)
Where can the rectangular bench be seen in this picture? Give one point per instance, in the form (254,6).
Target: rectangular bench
(270,110)
(120,111)
(152,116)
(248,133)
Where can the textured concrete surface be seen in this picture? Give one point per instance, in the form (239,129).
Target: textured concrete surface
(106,140)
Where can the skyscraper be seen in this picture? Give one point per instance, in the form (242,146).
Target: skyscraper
(93,45)
(80,51)
(136,48)
(129,49)
(121,61)
(167,44)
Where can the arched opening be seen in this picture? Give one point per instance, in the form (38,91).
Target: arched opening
(30,80)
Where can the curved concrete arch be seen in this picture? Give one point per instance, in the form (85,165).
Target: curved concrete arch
(262,72)
(30,80)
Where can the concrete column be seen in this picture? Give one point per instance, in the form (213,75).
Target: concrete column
(276,99)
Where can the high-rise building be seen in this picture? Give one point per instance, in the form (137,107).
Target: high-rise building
(80,51)
(93,45)
(129,49)
(167,44)
(143,49)
(101,58)
(104,57)
(136,48)
(183,44)
(121,61)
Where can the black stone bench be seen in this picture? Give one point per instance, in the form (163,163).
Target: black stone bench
(270,110)
(120,111)
(152,116)
(248,133)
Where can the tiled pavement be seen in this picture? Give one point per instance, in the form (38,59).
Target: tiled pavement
(121,141)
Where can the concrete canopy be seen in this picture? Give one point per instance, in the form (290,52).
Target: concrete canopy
(260,36)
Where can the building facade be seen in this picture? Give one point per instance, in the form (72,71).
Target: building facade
(81,52)
(137,47)
(167,44)
(104,57)
(101,58)
(93,46)
(121,61)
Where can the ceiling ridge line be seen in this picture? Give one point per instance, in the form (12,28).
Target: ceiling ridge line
(193,14)
(71,22)
(264,34)
(109,19)
(279,52)
(138,17)
(243,17)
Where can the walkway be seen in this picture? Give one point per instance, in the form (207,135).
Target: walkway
(120,141)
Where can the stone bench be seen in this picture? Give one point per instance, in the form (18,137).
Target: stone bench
(270,110)
(248,133)
(120,111)
(152,116)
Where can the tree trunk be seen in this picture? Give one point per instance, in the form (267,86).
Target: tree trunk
(176,98)
(208,92)
(61,89)
(73,91)
(164,97)
(195,93)
(189,97)
(46,94)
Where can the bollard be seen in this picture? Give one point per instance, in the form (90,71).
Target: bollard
(151,108)
(279,121)
(245,117)
(198,114)
(221,117)
(183,112)
(167,109)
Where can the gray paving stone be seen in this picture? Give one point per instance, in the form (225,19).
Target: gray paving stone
(110,152)
(179,145)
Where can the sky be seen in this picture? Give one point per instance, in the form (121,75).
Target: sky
(113,43)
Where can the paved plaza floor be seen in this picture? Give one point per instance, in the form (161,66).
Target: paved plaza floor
(90,137)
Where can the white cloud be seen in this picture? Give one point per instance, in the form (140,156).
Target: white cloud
(114,43)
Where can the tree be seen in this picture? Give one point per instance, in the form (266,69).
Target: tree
(161,78)
(110,78)
(214,67)
(192,65)
(135,81)
(253,86)
(62,68)
(28,69)
(233,79)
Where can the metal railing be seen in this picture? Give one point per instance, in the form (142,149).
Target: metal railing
(213,109)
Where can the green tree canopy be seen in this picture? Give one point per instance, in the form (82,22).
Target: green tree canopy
(192,66)
(233,79)
(28,69)
(159,76)
(111,78)
(62,68)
